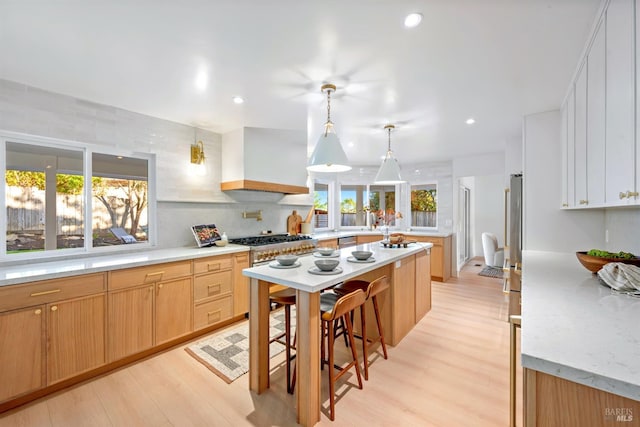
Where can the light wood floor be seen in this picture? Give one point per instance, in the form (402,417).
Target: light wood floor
(451,370)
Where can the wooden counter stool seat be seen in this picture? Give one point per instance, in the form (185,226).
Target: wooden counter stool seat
(340,309)
(371,290)
(287,298)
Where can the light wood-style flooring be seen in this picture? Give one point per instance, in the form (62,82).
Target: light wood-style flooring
(451,370)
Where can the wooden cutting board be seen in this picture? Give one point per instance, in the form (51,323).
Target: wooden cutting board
(293,223)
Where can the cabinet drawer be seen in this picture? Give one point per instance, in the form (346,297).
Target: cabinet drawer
(17,296)
(210,313)
(212,285)
(154,273)
(437,241)
(208,265)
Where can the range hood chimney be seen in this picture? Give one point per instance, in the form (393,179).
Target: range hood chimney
(259,159)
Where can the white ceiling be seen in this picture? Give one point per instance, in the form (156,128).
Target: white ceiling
(493,60)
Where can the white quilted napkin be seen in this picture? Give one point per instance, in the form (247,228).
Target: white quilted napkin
(624,278)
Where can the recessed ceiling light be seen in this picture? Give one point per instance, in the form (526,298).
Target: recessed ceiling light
(238,99)
(412,20)
(470,121)
(201,79)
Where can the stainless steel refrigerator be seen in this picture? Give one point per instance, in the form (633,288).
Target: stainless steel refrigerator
(512,268)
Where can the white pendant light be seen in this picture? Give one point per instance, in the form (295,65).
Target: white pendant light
(389,172)
(328,155)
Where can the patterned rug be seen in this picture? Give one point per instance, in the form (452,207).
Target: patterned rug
(226,353)
(491,272)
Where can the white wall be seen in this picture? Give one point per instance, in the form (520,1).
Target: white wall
(546,226)
(623,225)
(489,209)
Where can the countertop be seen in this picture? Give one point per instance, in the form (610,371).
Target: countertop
(300,278)
(577,329)
(15,274)
(356,232)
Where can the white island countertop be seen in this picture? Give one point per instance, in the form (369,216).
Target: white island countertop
(73,266)
(300,278)
(577,329)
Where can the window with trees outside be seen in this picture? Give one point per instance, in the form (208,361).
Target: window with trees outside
(352,205)
(50,207)
(424,205)
(321,205)
(382,203)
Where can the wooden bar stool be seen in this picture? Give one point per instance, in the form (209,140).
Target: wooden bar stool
(287,298)
(371,290)
(334,308)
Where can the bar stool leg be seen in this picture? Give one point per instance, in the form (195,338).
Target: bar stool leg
(379,322)
(332,404)
(363,324)
(287,340)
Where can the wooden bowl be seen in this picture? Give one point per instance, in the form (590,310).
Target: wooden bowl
(595,263)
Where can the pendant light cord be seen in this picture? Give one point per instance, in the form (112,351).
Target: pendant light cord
(326,128)
(389,147)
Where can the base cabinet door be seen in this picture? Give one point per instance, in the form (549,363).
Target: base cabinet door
(240,285)
(76,337)
(174,307)
(423,284)
(21,369)
(130,321)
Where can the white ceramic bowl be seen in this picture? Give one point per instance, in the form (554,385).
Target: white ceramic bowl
(327,264)
(361,255)
(325,251)
(286,259)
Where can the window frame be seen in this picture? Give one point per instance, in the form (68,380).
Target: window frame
(367,195)
(410,190)
(330,202)
(87,153)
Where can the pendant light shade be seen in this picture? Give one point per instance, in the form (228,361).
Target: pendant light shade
(328,154)
(389,172)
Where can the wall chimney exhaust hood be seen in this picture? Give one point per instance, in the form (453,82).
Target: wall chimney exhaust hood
(260,159)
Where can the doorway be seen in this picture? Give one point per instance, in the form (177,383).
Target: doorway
(464,202)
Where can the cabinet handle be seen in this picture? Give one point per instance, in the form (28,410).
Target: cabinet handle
(38,311)
(160,286)
(37,294)
(54,308)
(211,313)
(622,195)
(632,194)
(214,285)
(584,202)
(159,273)
(212,266)
(565,205)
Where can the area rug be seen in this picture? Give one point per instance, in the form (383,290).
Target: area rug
(226,353)
(491,272)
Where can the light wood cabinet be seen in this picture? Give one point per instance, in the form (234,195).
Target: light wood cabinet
(403,298)
(173,309)
(76,336)
(22,352)
(423,284)
(214,293)
(130,321)
(550,401)
(148,306)
(49,331)
(240,284)
(362,239)
(440,256)
(328,243)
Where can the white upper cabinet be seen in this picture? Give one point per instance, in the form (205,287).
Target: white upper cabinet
(581,138)
(635,197)
(571,140)
(620,101)
(596,76)
(564,153)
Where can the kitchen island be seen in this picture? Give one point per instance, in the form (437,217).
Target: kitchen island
(407,300)
(580,346)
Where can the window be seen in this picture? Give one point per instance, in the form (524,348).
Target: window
(382,202)
(50,208)
(120,198)
(352,203)
(321,205)
(424,205)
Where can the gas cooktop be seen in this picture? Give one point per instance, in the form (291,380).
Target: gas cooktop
(269,239)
